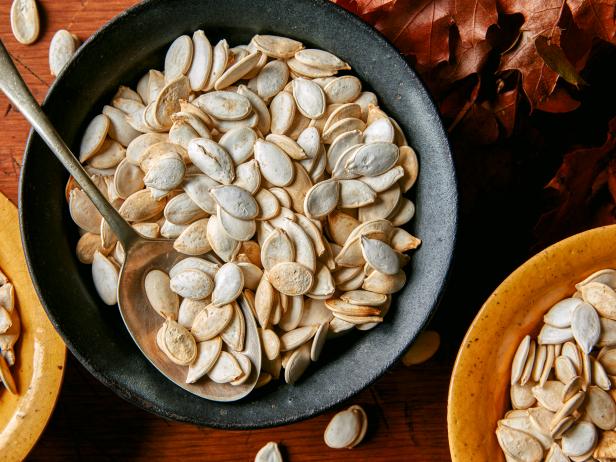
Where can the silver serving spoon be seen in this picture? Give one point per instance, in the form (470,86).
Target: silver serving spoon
(142,256)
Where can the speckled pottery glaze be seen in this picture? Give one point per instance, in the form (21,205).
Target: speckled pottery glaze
(479,389)
(119,54)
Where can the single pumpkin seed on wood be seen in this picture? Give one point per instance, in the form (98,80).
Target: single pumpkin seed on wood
(62,47)
(25,22)
(343,430)
(208,353)
(211,321)
(158,292)
(269,453)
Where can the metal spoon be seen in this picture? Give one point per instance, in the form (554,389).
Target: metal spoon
(142,256)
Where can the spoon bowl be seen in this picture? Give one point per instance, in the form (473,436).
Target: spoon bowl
(142,321)
(142,256)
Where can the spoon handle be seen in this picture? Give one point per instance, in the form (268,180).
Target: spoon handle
(16,90)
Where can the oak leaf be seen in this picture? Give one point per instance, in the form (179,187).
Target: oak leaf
(419,28)
(538,79)
(595,17)
(573,185)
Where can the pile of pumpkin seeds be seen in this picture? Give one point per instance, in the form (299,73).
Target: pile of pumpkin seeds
(562,382)
(10,327)
(280,180)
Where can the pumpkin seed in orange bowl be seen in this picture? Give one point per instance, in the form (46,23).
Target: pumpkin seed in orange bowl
(479,393)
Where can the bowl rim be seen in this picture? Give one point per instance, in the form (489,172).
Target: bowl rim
(148,405)
(488,305)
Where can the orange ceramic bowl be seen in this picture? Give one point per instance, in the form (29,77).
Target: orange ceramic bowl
(479,389)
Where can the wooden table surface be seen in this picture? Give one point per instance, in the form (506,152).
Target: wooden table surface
(406,408)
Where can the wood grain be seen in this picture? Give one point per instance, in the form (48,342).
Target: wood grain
(406,408)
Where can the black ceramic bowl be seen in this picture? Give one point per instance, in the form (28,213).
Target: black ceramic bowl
(119,53)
